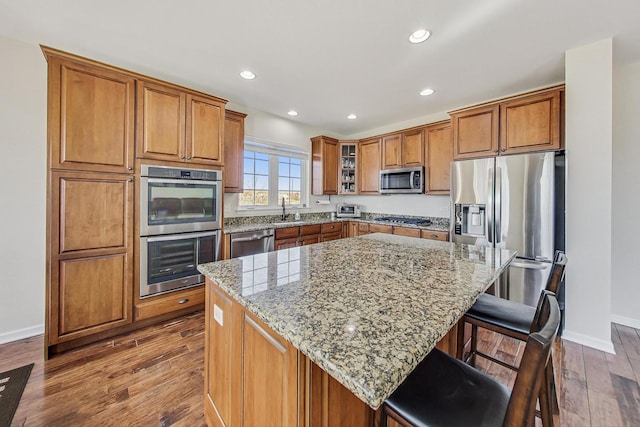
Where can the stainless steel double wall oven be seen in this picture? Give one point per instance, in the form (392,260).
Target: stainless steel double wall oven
(180,226)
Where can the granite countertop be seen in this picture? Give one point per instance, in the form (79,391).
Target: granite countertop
(265,223)
(365,309)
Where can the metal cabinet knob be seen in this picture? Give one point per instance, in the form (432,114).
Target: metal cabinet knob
(183,300)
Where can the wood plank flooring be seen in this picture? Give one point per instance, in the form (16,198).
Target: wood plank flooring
(154,377)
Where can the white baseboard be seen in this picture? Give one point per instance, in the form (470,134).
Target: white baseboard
(20,334)
(626,321)
(589,341)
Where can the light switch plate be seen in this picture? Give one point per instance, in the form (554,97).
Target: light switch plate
(218,315)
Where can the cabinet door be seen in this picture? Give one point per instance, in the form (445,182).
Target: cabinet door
(160,122)
(439,149)
(352,228)
(391,155)
(530,124)
(324,169)
(413,148)
(285,243)
(205,130)
(233,151)
(475,132)
(222,370)
(363,228)
(270,374)
(406,231)
(309,240)
(369,167)
(434,235)
(91,117)
(91,271)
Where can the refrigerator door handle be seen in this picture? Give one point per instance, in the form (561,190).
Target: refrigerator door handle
(498,209)
(490,211)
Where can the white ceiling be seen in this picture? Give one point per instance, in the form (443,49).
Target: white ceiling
(329,58)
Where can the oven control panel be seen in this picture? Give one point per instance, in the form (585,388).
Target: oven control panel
(179,173)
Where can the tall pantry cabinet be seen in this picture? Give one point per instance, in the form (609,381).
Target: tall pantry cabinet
(90,198)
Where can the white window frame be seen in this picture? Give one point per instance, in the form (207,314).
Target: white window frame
(274,151)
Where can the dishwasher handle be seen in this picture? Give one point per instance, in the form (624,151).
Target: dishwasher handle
(252,238)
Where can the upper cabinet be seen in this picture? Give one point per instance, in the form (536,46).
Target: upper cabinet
(404,149)
(368,170)
(475,132)
(233,151)
(176,125)
(525,123)
(530,124)
(439,154)
(324,168)
(91,116)
(348,162)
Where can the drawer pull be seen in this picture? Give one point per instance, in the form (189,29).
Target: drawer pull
(435,236)
(183,300)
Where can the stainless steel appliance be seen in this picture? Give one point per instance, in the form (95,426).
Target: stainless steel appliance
(347,210)
(180,226)
(251,242)
(403,180)
(514,202)
(170,262)
(178,200)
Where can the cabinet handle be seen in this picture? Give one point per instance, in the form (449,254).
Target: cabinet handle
(435,236)
(130,168)
(182,157)
(188,157)
(183,300)
(130,180)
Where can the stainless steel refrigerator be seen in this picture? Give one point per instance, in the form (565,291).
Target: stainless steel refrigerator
(514,202)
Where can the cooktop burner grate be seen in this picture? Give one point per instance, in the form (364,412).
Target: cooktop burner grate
(404,220)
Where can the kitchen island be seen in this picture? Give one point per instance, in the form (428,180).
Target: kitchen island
(314,334)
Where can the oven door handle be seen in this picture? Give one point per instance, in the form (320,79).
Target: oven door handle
(179,181)
(180,236)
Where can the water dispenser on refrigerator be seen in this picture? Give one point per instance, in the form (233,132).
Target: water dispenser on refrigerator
(470,219)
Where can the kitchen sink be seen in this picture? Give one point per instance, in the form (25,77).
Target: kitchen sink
(289,223)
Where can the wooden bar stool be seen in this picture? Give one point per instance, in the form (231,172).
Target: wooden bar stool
(444,391)
(514,320)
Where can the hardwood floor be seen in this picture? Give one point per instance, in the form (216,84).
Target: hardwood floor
(154,376)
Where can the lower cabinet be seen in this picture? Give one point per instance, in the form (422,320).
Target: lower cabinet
(253,377)
(435,235)
(291,237)
(90,276)
(171,302)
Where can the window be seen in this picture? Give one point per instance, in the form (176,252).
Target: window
(271,174)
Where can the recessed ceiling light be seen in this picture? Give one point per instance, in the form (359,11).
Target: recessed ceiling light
(419,36)
(427,92)
(352,117)
(246,74)
(292,113)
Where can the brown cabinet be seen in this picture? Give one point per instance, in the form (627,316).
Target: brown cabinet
(90,273)
(439,154)
(324,167)
(475,132)
(348,163)
(176,125)
(406,231)
(310,234)
(291,237)
(434,235)
(233,151)
(363,228)
(405,149)
(521,124)
(380,228)
(91,116)
(530,124)
(369,166)
(391,151)
(192,298)
(352,229)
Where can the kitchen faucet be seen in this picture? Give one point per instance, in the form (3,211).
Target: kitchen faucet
(284,216)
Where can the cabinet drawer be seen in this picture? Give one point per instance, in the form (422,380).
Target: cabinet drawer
(406,231)
(379,228)
(330,236)
(363,228)
(285,233)
(171,302)
(307,230)
(435,235)
(332,227)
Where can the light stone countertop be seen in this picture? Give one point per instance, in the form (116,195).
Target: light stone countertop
(365,309)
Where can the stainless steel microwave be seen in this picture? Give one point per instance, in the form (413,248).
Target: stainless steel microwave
(402,181)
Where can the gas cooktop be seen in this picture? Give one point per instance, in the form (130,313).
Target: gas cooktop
(404,220)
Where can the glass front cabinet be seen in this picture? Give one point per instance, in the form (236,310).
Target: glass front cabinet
(348,160)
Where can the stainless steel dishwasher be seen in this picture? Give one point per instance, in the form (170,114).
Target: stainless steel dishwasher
(251,243)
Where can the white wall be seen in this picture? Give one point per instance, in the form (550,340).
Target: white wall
(23,133)
(625,264)
(588,137)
